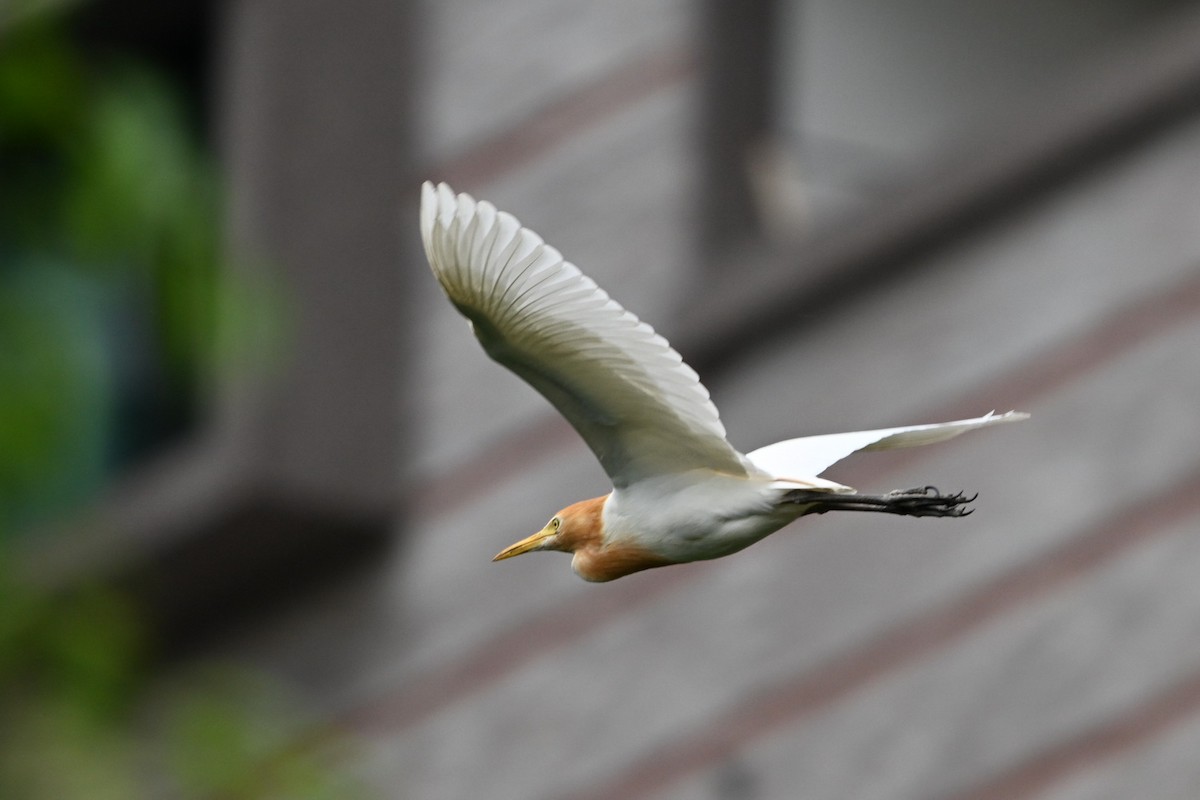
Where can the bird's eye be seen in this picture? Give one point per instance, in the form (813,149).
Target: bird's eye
(556,523)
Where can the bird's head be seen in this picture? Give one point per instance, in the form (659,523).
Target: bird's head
(579,529)
(577,526)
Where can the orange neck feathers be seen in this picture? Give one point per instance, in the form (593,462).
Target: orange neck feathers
(595,559)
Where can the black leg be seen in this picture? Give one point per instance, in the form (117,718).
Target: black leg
(924,502)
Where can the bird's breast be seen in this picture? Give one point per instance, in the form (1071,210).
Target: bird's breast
(693,517)
(615,561)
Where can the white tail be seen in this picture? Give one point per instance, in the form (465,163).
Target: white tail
(804,458)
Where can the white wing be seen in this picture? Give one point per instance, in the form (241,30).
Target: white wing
(812,455)
(636,404)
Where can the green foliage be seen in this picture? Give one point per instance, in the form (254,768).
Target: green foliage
(108,204)
(230,735)
(67,673)
(55,404)
(76,722)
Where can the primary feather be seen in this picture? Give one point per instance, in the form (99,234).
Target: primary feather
(641,410)
(812,455)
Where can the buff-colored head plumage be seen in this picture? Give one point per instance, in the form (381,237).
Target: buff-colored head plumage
(579,529)
(578,526)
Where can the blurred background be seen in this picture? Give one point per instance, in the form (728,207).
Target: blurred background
(253,467)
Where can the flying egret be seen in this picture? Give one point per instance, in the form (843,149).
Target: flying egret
(681,492)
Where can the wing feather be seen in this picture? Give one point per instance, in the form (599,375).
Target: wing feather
(809,456)
(640,408)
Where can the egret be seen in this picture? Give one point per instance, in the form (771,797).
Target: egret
(680,492)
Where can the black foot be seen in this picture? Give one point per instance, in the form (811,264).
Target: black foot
(928,502)
(924,502)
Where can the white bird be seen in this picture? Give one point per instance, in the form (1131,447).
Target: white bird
(681,492)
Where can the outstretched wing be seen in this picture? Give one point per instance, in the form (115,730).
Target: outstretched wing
(642,410)
(812,455)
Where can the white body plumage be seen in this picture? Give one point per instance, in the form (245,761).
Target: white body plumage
(696,515)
